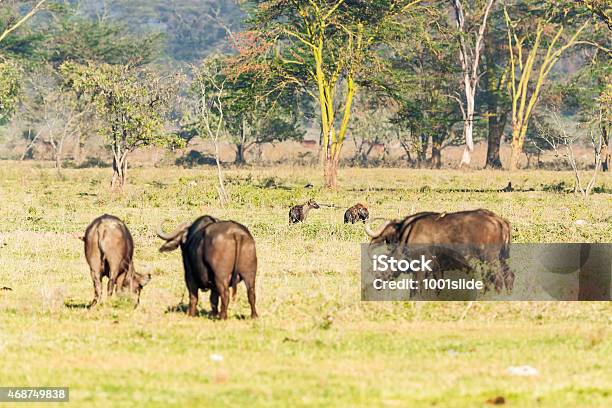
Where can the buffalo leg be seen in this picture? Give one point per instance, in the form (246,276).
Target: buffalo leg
(96,267)
(109,287)
(192,288)
(214,302)
(97,282)
(113,273)
(193,303)
(250,284)
(193,298)
(508,276)
(223,289)
(121,281)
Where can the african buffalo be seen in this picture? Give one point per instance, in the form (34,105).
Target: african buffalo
(298,213)
(109,250)
(216,255)
(484,235)
(356,213)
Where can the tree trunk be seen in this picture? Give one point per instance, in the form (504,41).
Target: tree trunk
(497,115)
(497,123)
(514,158)
(605,152)
(422,152)
(517,147)
(58,162)
(469,65)
(436,156)
(119,172)
(58,155)
(239,155)
(468,131)
(240,146)
(331,173)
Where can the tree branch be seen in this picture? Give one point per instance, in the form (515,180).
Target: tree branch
(25,18)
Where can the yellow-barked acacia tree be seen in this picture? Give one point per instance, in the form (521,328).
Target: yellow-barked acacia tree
(323,48)
(538,34)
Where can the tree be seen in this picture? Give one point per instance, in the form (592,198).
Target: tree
(209,118)
(588,92)
(469,55)
(260,126)
(60,117)
(372,125)
(252,115)
(495,76)
(76,37)
(324,48)
(10,72)
(562,142)
(52,111)
(132,104)
(419,77)
(528,46)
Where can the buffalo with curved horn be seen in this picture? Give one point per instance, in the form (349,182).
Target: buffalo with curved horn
(484,235)
(216,255)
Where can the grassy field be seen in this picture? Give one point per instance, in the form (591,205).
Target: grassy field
(315,343)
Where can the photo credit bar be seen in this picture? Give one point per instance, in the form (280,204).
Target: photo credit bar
(565,272)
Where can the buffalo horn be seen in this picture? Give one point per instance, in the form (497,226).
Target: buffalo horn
(376,234)
(168,237)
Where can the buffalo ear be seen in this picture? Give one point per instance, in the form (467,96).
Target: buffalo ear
(174,243)
(169,246)
(390,234)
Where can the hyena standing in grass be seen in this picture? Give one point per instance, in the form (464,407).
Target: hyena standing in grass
(356,213)
(298,213)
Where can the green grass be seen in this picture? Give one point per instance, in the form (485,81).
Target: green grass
(315,344)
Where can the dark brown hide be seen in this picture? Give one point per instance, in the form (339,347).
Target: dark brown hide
(484,234)
(216,255)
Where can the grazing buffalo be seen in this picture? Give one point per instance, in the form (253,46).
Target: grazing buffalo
(298,213)
(483,234)
(109,250)
(216,255)
(356,213)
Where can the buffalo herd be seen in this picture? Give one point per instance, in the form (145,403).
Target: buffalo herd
(219,254)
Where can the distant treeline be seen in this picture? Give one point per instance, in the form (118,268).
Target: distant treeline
(422,75)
